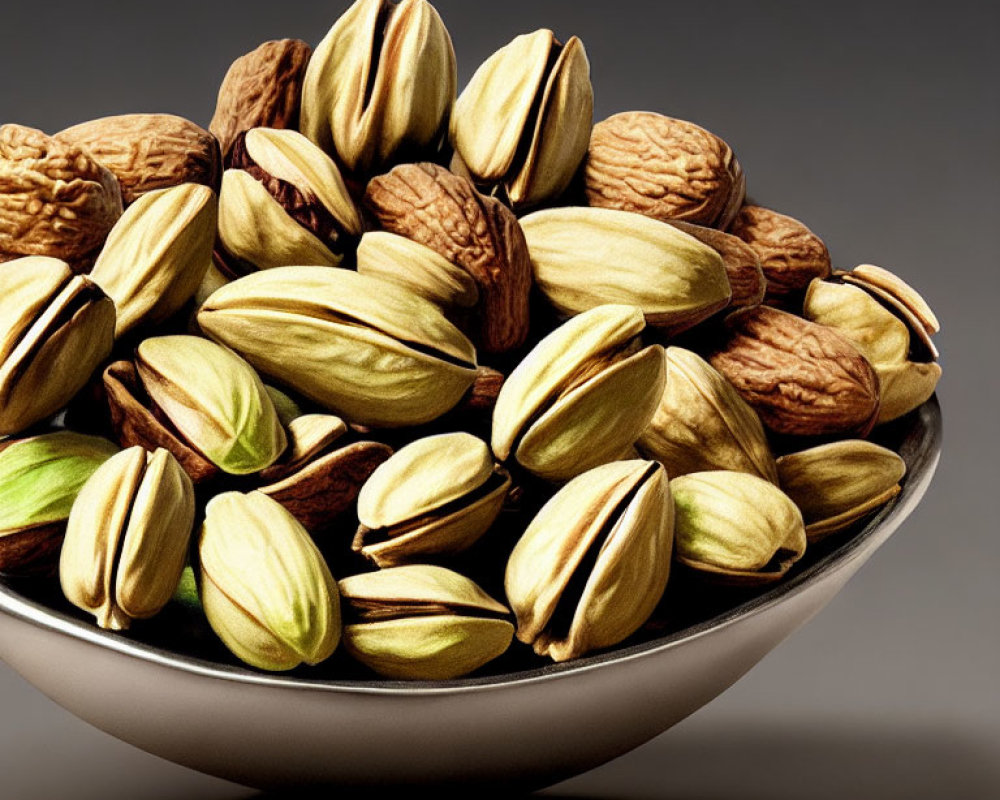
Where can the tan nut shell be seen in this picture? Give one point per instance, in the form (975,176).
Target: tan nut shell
(147,152)
(585,257)
(561,412)
(664,168)
(366,349)
(381,84)
(836,484)
(157,254)
(56,328)
(127,537)
(736,527)
(524,119)
(701,423)
(623,513)
(55,200)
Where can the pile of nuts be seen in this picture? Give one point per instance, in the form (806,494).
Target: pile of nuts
(324,356)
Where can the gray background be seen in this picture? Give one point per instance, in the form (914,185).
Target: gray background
(876,126)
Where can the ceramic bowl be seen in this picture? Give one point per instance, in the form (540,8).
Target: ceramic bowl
(524,728)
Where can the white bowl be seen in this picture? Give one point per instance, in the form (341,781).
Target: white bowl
(527,729)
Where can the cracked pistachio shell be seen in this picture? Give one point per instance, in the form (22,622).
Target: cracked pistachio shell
(380,86)
(836,484)
(585,257)
(157,254)
(284,167)
(214,399)
(127,537)
(614,521)
(422,622)
(267,592)
(736,526)
(416,267)
(40,478)
(525,118)
(55,329)
(560,412)
(434,496)
(701,423)
(365,349)
(888,340)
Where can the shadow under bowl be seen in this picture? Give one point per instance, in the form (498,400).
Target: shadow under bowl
(524,729)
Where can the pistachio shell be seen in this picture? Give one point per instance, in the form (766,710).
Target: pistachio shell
(416,267)
(905,387)
(127,537)
(266,589)
(422,476)
(524,119)
(157,254)
(617,522)
(736,526)
(423,622)
(380,85)
(701,423)
(585,257)
(214,399)
(56,328)
(255,228)
(366,349)
(878,333)
(559,411)
(838,483)
(39,479)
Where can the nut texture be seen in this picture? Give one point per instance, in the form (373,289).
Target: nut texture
(802,378)
(55,200)
(262,89)
(443,211)
(791,255)
(663,168)
(147,152)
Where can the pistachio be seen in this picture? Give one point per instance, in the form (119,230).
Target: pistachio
(802,378)
(267,592)
(283,202)
(746,278)
(416,267)
(701,423)
(380,86)
(561,412)
(55,200)
(592,565)
(261,89)
(430,205)
(523,122)
(664,168)
(735,527)
(127,537)
(585,257)
(421,622)
(214,399)
(435,496)
(147,152)
(890,324)
(56,328)
(39,478)
(837,484)
(791,255)
(156,255)
(365,349)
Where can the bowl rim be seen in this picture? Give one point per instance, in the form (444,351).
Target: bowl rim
(920,448)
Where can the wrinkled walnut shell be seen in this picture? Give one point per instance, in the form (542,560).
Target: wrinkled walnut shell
(55,200)
(802,378)
(432,206)
(663,168)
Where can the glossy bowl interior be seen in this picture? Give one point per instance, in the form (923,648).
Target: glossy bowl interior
(526,728)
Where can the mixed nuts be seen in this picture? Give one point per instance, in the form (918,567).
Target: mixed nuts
(374,372)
